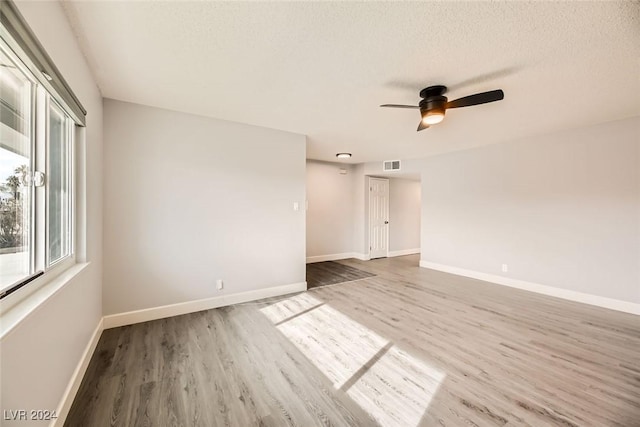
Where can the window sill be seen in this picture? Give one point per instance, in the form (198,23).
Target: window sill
(47,288)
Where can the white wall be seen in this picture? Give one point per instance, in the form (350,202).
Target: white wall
(331,205)
(561,210)
(404,215)
(39,356)
(190,199)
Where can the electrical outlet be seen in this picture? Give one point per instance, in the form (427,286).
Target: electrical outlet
(505,268)
(219,284)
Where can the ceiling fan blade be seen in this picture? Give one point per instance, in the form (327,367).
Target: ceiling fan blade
(477,99)
(422,126)
(399,106)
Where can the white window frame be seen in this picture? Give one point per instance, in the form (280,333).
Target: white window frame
(70,132)
(41,97)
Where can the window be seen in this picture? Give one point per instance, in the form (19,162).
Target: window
(39,114)
(36,176)
(16,96)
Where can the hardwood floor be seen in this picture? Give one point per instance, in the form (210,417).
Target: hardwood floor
(407,347)
(331,273)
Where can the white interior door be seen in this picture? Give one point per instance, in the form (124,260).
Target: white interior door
(378,217)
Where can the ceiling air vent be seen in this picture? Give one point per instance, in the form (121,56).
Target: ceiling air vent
(391,165)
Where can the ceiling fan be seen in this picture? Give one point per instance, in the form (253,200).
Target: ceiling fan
(434,104)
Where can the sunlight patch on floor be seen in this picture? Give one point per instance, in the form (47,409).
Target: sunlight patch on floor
(397,389)
(337,345)
(292,306)
(394,387)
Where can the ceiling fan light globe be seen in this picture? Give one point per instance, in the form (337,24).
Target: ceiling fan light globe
(433,117)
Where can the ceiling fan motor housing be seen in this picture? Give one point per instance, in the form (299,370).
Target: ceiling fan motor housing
(432,104)
(430,91)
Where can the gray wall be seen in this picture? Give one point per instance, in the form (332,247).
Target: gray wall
(561,210)
(331,206)
(39,356)
(404,214)
(190,199)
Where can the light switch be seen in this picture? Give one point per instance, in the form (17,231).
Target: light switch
(296,206)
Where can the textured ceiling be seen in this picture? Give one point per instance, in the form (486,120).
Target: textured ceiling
(322,69)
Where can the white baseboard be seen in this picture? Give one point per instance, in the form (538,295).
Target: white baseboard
(361,257)
(335,257)
(76,379)
(610,303)
(144,315)
(330,257)
(403,252)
